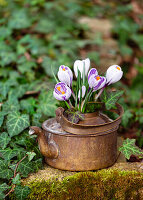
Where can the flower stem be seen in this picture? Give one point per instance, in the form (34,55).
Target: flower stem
(73,94)
(86,100)
(68,104)
(100,92)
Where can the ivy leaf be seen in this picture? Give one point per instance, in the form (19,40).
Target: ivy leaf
(21,192)
(111,98)
(19,19)
(4,88)
(74,116)
(28,105)
(25,167)
(2,115)
(16,179)
(5,173)
(47,104)
(9,153)
(31,155)
(3,188)
(38,164)
(16,123)
(47,63)
(139,115)
(36,119)
(11,105)
(129,148)
(19,91)
(7,58)
(4,140)
(126,117)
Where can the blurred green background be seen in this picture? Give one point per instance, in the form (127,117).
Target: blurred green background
(38,34)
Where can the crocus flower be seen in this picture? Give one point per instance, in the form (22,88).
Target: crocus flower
(92,72)
(79,65)
(62,92)
(83,90)
(65,75)
(114,73)
(96,82)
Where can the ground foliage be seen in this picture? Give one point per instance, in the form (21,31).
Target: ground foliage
(38,35)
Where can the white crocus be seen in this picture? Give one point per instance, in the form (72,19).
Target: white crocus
(114,73)
(65,75)
(79,65)
(83,90)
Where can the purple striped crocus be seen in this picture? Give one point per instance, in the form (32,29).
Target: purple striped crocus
(65,75)
(95,81)
(61,91)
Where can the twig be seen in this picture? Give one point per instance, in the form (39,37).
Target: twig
(11,190)
(18,164)
(13,186)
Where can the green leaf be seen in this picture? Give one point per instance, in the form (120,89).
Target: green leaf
(7,58)
(4,32)
(36,119)
(4,88)
(139,115)
(31,155)
(9,153)
(11,105)
(5,173)
(21,192)
(47,104)
(4,140)
(47,63)
(129,148)
(111,98)
(19,91)
(25,167)
(16,123)
(3,188)
(126,118)
(2,115)
(29,105)
(74,116)
(19,19)
(16,179)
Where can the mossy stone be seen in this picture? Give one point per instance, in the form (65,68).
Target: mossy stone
(107,184)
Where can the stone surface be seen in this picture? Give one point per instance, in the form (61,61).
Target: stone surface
(97,25)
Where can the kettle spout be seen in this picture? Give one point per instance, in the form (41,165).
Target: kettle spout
(48,147)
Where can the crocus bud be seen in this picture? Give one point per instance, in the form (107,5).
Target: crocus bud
(96,82)
(61,92)
(83,90)
(114,73)
(79,65)
(65,75)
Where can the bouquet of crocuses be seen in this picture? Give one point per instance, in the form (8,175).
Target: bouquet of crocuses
(88,82)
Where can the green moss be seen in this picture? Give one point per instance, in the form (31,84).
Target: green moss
(101,185)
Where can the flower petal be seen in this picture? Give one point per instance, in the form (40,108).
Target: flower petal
(65,75)
(83,92)
(61,91)
(100,84)
(87,65)
(79,65)
(93,71)
(114,73)
(96,82)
